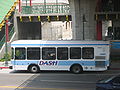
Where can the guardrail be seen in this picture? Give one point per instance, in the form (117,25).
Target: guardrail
(3,39)
(45,9)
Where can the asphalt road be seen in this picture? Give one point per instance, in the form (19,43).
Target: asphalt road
(22,80)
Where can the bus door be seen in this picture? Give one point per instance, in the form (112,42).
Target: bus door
(100,56)
(13,57)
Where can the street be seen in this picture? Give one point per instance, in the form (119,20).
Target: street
(23,80)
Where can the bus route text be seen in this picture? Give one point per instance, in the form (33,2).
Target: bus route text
(51,63)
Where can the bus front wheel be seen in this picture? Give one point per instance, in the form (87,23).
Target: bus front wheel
(76,69)
(34,69)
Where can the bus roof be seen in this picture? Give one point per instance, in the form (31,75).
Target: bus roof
(56,42)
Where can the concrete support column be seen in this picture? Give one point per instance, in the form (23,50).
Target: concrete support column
(75,12)
(88,9)
(80,8)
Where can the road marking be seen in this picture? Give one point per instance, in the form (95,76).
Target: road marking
(21,74)
(96,74)
(58,81)
(35,88)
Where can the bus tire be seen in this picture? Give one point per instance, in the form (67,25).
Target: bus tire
(33,68)
(76,69)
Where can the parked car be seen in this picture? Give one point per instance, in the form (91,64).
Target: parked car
(112,83)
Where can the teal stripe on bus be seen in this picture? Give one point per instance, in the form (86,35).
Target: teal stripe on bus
(60,63)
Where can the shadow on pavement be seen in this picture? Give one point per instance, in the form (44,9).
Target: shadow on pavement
(63,80)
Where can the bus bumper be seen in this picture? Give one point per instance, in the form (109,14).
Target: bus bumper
(10,67)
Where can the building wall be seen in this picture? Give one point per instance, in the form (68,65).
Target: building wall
(56,31)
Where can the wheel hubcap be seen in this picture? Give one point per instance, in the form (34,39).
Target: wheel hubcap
(76,69)
(34,69)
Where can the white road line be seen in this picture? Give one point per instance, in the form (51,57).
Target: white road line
(33,88)
(58,81)
(96,74)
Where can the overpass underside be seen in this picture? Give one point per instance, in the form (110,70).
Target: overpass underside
(88,17)
(43,18)
(29,26)
(29,19)
(90,21)
(107,10)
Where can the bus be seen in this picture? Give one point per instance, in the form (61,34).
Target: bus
(61,55)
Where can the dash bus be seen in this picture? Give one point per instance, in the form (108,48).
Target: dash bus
(68,55)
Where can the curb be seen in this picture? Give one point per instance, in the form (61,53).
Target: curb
(4,67)
(114,68)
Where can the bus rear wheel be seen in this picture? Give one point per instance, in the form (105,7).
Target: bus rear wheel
(76,69)
(34,69)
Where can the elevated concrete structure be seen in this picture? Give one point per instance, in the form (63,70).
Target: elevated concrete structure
(95,13)
(87,16)
(28,21)
(80,8)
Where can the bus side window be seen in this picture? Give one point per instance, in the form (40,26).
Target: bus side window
(20,53)
(62,53)
(88,53)
(48,53)
(33,53)
(75,53)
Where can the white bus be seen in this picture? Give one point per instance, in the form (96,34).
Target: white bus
(74,56)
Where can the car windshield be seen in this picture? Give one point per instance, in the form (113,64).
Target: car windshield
(106,80)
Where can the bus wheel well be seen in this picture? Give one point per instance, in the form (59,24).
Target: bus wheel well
(76,68)
(34,68)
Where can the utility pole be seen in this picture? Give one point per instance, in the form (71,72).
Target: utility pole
(84,21)
(30,2)
(19,5)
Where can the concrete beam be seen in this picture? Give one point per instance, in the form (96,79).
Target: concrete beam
(107,16)
(38,18)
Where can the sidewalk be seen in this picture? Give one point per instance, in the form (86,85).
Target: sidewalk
(3,66)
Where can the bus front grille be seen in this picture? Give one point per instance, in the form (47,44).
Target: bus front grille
(99,57)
